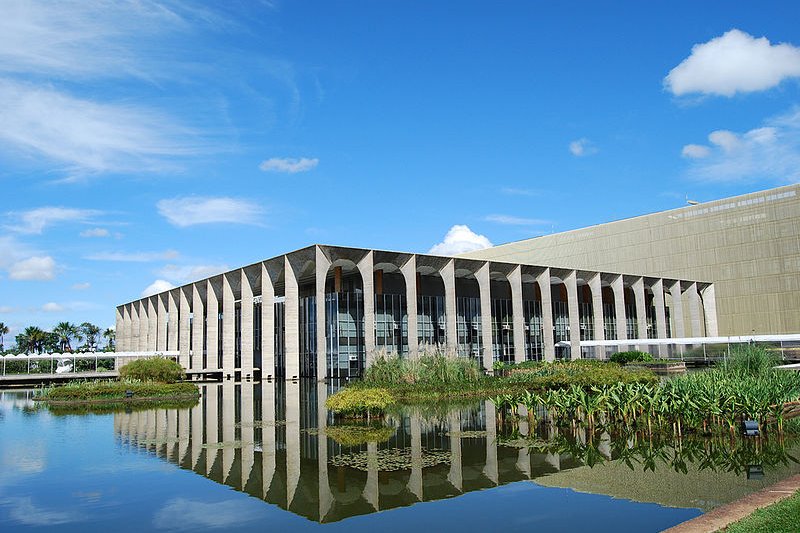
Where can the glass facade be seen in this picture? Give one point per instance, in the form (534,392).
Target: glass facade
(431,321)
(534,332)
(344,331)
(391,323)
(468,327)
(502,331)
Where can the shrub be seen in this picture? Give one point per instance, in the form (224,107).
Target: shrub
(633,356)
(115,390)
(157,369)
(581,372)
(752,359)
(360,401)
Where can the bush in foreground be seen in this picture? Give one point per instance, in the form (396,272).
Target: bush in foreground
(77,391)
(357,401)
(434,369)
(157,369)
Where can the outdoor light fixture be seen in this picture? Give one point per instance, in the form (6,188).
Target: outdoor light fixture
(755,472)
(750,428)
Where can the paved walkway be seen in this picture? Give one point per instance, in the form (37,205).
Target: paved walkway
(727,514)
(21,379)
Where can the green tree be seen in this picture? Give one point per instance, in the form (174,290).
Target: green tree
(32,339)
(111,337)
(3,333)
(66,333)
(90,333)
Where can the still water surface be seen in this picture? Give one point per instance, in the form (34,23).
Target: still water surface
(253,457)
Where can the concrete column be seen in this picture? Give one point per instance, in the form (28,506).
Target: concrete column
(448,273)
(133,346)
(694,310)
(198,317)
(125,344)
(596,286)
(322,265)
(484,285)
(184,293)
(571,283)
(152,324)
(676,310)
(618,287)
(515,281)
(365,267)
(456,474)
(212,426)
(144,325)
(409,271)
(710,308)
(543,280)
(641,309)
(161,314)
(228,324)
(196,441)
(183,435)
(173,331)
(228,427)
(415,484)
(247,431)
(267,324)
(212,326)
(292,440)
(119,326)
(292,310)
(490,468)
(661,310)
(325,495)
(268,459)
(247,325)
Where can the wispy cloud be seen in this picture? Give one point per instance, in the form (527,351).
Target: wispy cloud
(36,268)
(133,257)
(288,165)
(767,153)
(193,210)
(516,221)
(81,286)
(36,220)
(735,62)
(95,232)
(582,147)
(519,192)
(187,273)
(460,239)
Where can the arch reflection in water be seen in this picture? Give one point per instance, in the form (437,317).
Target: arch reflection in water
(272,441)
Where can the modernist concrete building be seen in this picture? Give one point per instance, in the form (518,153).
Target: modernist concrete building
(327,311)
(749,246)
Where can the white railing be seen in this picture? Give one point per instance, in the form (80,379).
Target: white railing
(677,348)
(119,358)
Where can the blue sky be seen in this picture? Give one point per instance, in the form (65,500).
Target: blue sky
(160,142)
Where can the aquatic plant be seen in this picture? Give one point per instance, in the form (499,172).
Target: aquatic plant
(352,435)
(633,356)
(358,401)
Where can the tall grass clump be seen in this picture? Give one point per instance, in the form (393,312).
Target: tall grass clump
(158,369)
(428,369)
(751,359)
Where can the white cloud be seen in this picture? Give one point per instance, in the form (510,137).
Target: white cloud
(52,307)
(156,287)
(515,221)
(133,257)
(187,273)
(36,220)
(36,268)
(734,62)
(767,153)
(81,286)
(582,147)
(518,192)
(95,232)
(695,151)
(192,210)
(90,137)
(460,239)
(288,164)
(22,510)
(191,515)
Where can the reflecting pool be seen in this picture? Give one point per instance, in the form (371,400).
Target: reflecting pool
(264,456)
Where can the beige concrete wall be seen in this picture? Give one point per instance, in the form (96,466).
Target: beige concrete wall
(749,246)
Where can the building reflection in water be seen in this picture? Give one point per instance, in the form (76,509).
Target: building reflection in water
(269,440)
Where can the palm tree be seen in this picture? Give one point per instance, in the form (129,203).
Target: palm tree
(3,332)
(66,332)
(110,336)
(31,340)
(90,332)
